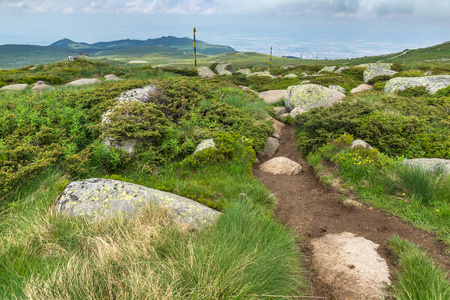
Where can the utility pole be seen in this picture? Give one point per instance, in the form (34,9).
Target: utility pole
(195,52)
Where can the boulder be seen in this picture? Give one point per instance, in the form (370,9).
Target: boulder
(247,89)
(146,94)
(308,96)
(138,62)
(359,143)
(429,164)
(338,88)
(84,81)
(41,87)
(205,72)
(111,77)
(281,166)
(375,71)
(279,110)
(270,147)
(272,96)
(244,71)
(222,67)
(209,143)
(431,83)
(101,198)
(261,74)
(290,66)
(15,87)
(283,117)
(278,128)
(290,76)
(361,88)
(428,73)
(351,265)
(295,112)
(225,73)
(369,65)
(328,69)
(338,71)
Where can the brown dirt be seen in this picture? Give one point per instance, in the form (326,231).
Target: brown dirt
(313,210)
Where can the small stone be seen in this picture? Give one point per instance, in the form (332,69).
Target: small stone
(281,166)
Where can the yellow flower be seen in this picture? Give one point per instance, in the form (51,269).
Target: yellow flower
(437,210)
(404,194)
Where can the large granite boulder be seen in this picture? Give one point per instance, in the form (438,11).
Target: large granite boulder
(272,96)
(225,67)
(205,72)
(244,71)
(338,71)
(429,164)
(84,81)
(308,96)
(361,88)
(351,266)
(101,198)
(431,83)
(369,65)
(261,74)
(281,166)
(375,71)
(15,87)
(270,147)
(328,69)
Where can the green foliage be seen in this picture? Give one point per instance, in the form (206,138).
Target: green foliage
(381,78)
(51,79)
(420,184)
(180,71)
(419,278)
(348,82)
(357,73)
(409,73)
(419,91)
(379,86)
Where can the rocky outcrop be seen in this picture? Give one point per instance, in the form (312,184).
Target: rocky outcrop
(247,89)
(101,198)
(351,265)
(429,164)
(281,166)
(15,87)
(272,96)
(338,71)
(112,77)
(205,72)
(261,74)
(143,95)
(270,147)
(279,110)
(278,129)
(361,88)
(375,71)
(244,71)
(41,86)
(84,81)
(138,62)
(359,143)
(209,143)
(338,88)
(225,73)
(308,96)
(222,67)
(295,112)
(328,69)
(369,65)
(431,83)
(290,76)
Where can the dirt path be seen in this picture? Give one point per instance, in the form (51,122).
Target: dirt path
(313,209)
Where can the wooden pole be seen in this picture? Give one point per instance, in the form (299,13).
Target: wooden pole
(195,52)
(270,57)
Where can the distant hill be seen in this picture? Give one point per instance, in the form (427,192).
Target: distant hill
(182,44)
(16,56)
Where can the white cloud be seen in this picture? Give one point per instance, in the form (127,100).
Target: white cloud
(67,10)
(19,5)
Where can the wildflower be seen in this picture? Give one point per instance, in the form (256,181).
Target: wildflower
(437,210)
(404,195)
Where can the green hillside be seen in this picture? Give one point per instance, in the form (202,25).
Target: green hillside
(15,56)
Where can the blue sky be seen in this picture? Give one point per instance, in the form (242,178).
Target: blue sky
(323,28)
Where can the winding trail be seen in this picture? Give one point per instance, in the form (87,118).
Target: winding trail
(313,210)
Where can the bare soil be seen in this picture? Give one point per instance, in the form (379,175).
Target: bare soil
(313,210)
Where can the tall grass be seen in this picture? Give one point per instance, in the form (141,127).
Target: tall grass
(418,278)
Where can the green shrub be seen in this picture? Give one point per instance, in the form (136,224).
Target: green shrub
(409,73)
(2,84)
(381,78)
(379,86)
(419,91)
(47,78)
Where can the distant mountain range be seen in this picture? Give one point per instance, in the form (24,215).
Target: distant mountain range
(14,56)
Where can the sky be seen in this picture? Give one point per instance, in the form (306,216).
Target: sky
(325,29)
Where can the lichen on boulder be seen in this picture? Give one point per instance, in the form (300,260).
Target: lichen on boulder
(431,83)
(308,96)
(103,198)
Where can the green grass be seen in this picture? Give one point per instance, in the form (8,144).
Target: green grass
(418,277)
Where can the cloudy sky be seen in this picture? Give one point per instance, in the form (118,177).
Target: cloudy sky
(315,28)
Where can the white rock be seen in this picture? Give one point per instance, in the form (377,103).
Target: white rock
(361,88)
(432,83)
(84,81)
(205,72)
(281,166)
(272,96)
(270,147)
(15,87)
